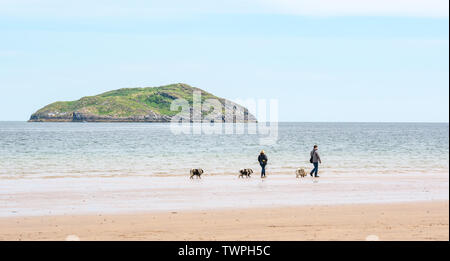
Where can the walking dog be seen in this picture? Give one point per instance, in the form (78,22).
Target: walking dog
(196,172)
(300,173)
(245,172)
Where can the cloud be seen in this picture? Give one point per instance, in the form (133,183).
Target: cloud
(172,8)
(421,8)
(8,53)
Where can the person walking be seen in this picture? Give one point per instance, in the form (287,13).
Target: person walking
(315,160)
(262,158)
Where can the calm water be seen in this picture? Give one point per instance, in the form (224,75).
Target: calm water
(30,150)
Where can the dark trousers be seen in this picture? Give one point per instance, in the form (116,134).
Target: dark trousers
(263,170)
(315,169)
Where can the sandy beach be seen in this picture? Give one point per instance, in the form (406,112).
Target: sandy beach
(400,221)
(281,207)
(143,194)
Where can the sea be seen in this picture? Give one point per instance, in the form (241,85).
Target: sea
(30,150)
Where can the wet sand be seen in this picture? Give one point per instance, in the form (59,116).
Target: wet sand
(223,207)
(392,221)
(143,194)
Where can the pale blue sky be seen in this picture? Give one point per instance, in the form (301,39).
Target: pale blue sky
(375,61)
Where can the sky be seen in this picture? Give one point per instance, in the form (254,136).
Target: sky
(323,60)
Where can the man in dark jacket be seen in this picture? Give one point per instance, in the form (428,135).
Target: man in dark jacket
(262,158)
(315,159)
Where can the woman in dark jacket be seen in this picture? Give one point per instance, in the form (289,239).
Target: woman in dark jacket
(262,158)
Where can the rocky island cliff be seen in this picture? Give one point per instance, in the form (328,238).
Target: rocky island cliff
(150,104)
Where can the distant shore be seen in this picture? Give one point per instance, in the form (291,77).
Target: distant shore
(396,221)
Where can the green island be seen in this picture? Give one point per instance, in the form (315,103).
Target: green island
(149,104)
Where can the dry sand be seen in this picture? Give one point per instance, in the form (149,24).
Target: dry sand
(385,221)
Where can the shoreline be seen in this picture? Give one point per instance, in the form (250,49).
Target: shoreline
(140,194)
(383,221)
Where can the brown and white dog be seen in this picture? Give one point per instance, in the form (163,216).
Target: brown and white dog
(245,172)
(300,173)
(196,172)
